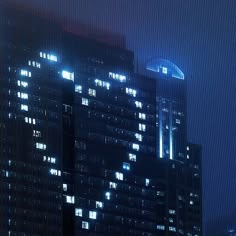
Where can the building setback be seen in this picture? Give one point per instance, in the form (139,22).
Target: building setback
(88,146)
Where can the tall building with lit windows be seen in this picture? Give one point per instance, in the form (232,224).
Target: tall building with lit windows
(88,146)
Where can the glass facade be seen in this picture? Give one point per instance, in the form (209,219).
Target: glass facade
(89,146)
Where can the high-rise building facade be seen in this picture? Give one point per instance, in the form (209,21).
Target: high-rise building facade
(88,146)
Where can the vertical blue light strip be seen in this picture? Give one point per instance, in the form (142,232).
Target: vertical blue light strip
(160,130)
(171,131)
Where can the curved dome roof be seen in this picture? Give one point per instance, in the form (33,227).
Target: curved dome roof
(165,66)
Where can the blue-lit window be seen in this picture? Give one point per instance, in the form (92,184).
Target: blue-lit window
(85,101)
(171,212)
(68,75)
(99,204)
(55,172)
(138,104)
(132,157)
(108,195)
(139,137)
(142,116)
(121,78)
(34,64)
(64,187)
(85,225)
(93,215)
(164,70)
(135,146)
(22,95)
(147,182)
(126,166)
(119,176)
(36,133)
(131,92)
(142,127)
(50,57)
(24,107)
(92,92)
(160,227)
(78,212)
(22,83)
(112,185)
(177,121)
(78,88)
(101,83)
(25,73)
(171,228)
(41,146)
(70,199)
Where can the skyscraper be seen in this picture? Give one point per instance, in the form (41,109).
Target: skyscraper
(89,147)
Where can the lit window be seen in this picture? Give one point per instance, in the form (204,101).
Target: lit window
(132,157)
(171,220)
(24,107)
(135,146)
(171,228)
(22,95)
(41,146)
(187,148)
(119,176)
(25,73)
(126,166)
(131,92)
(112,185)
(92,92)
(78,212)
(34,64)
(99,204)
(55,172)
(147,181)
(171,212)
(78,88)
(160,193)
(187,156)
(139,137)
(64,186)
(138,104)
(50,57)
(142,116)
(70,199)
(177,121)
(93,215)
(22,83)
(160,227)
(101,83)
(85,101)
(98,82)
(68,75)
(191,202)
(36,133)
(142,127)
(164,70)
(108,195)
(121,78)
(85,225)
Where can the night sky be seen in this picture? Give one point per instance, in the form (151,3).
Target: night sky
(200,37)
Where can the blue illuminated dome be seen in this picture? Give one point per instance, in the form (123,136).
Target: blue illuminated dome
(165,67)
